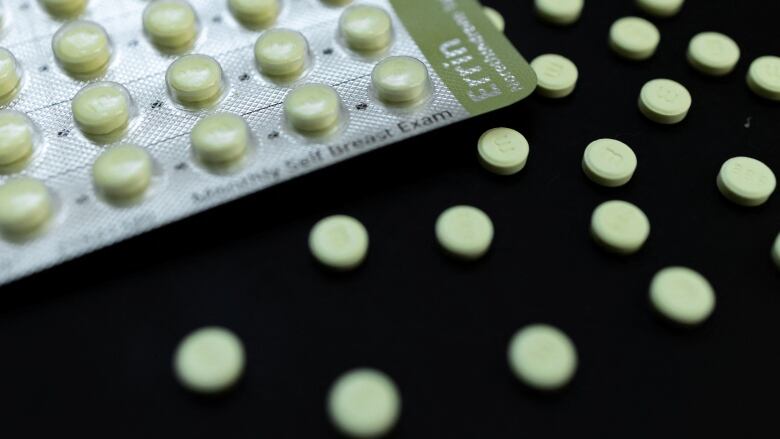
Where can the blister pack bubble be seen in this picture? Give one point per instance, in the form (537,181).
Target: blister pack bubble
(473,69)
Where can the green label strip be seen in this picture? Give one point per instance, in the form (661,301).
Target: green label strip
(477,63)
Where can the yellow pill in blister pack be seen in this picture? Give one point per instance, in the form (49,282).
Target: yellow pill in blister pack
(366,28)
(281,53)
(17,137)
(123,173)
(64,8)
(171,24)
(254,13)
(102,110)
(221,138)
(10,76)
(195,80)
(26,206)
(313,108)
(400,80)
(82,48)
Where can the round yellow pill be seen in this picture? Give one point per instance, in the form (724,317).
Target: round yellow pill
(281,53)
(634,38)
(25,207)
(82,48)
(64,8)
(123,173)
(10,76)
(764,77)
(366,28)
(465,232)
(542,357)
(195,80)
(682,295)
(713,53)
(746,181)
(254,13)
(661,8)
(503,151)
(665,101)
(364,403)
(102,110)
(609,162)
(400,80)
(17,137)
(221,138)
(557,76)
(210,360)
(560,12)
(620,227)
(171,24)
(313,108)
(339,242)
(495,17)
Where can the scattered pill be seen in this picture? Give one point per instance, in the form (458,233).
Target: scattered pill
(82,48)
(339,242)
(746,181)
(255,13)
(634,38)
(609,162)
(400,80)
(620,227)
(281,53)
(557,75)
(26,206)
(764,77)
(495,17)
(665,101)
(713,53)
(503,151)
(64,8)
(364,403)
(776,251)
(195,80)
(661,8)
(10,76)
(313,108)
(542,357)
(560,12)
(221,138)
(465,232)
(102,110)
(682,295)
(210,360)
(171,25)
(123,173)
(366,28)
(16,137)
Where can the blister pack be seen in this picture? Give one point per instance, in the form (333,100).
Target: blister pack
(120,116)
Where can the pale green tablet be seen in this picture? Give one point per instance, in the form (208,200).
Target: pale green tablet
(339,242)
(661,8)
(464,232)
(195,80)
(16,137)
(609,162)
(634,38)
(366,28)
(313,108)
(210,360)
(764,77)
(665,101)
(255,13)
(102,110)
(557,75)
(281,53)
(503,151)
(364,403)
(776,251)
(82,48)
(713,53)
(400,80)
(542,357)
(123,173)
(682,296)
(620,227)
(220,138)
(26,206)
(10,76)
(746,181)
(171,24)
(64,8)
(560,12)
(495,17)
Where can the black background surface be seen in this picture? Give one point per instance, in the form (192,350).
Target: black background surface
(87,346)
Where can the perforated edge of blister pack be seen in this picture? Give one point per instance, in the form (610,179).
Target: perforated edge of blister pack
(473,69)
